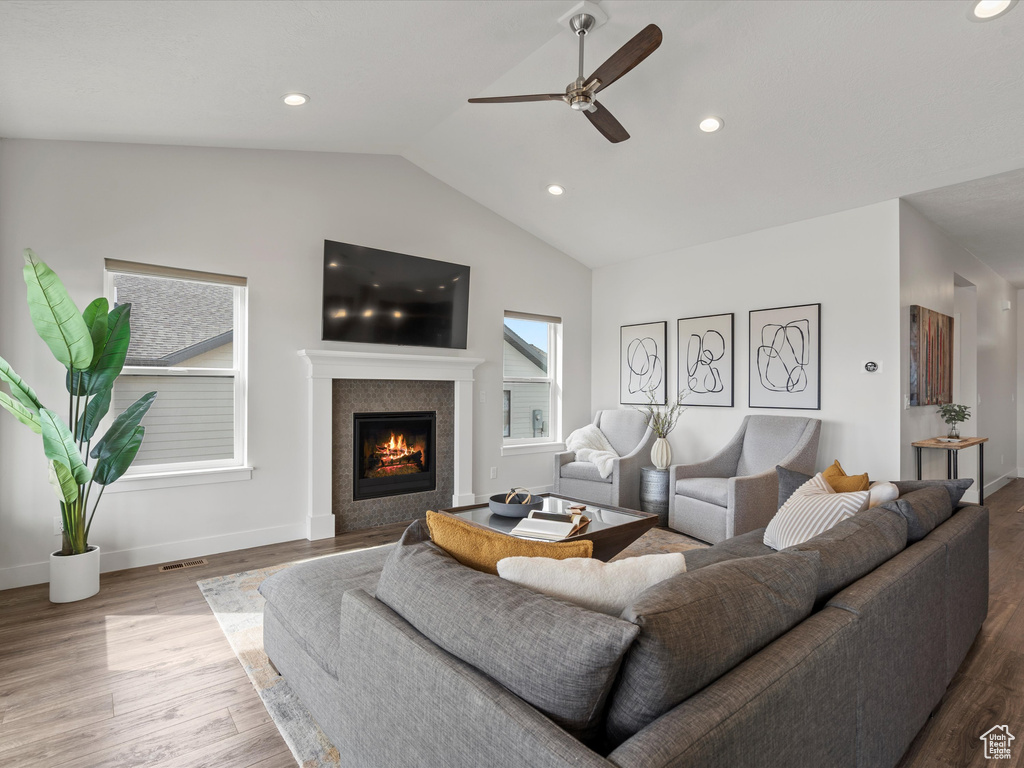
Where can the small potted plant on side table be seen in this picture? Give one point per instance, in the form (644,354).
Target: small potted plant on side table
(953,414)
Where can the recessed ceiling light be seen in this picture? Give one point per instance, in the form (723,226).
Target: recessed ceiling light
(397,313)
(986,10)
(555,189)
(295,99)
(368,313)
(711,124)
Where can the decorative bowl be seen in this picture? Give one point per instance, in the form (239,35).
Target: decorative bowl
(499,507)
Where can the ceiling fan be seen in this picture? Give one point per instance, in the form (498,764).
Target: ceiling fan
(580,93)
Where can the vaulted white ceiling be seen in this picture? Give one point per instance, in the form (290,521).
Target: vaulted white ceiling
(828,105)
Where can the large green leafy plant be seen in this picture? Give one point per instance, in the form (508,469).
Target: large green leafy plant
(92,346)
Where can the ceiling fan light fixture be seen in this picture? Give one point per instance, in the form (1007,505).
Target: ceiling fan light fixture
(712,124)
(555,189)
(295,99)
(986,10)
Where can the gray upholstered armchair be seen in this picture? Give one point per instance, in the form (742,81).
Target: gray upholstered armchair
(737,489)
(632,439)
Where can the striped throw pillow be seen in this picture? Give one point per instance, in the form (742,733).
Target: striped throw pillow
(812,509)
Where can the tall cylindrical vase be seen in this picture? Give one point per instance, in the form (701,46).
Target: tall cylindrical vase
(661,453)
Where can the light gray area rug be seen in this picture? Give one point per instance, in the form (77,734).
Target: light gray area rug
(238,606)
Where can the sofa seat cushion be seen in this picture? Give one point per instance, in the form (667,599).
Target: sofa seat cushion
(306,598)
(749,544)
(558,657)
(584,470)
(855,547)
(697,626)
(713,490)
(924,509)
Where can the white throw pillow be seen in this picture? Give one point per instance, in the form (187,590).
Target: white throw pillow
(880,492)
(812,509)
(605,587)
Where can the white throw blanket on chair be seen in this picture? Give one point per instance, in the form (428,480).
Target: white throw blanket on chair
(592,446)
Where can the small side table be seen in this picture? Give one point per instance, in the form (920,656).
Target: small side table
(952,450)
(654,493)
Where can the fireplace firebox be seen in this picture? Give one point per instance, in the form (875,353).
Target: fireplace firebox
(393,453)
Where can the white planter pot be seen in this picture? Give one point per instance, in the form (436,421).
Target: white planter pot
(74,577)
(661,453)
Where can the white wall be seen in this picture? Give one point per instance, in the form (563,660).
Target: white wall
(929,262)
(847,261)
(263,215)
(1020,382)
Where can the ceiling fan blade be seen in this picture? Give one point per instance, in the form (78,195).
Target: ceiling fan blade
(643,44)
(513,99)
(609,127)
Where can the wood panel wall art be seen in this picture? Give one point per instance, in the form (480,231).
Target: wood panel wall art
(931,357)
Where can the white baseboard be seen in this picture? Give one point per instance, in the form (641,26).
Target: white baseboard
(39,573)
(994,485)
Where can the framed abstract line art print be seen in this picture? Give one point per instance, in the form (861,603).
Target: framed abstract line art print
(785,357)
(642,363)
(931,357)
(705,359)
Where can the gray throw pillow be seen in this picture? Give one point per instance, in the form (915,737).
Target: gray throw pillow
(789,481)
(560,658)
(697,626)
(955,488)
(855,547)
(924,510)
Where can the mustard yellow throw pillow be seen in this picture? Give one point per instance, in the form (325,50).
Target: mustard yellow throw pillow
(844,483)
(481,549)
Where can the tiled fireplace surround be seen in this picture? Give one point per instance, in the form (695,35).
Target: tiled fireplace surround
(341,383)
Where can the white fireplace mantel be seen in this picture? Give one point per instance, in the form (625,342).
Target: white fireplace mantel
(323,366)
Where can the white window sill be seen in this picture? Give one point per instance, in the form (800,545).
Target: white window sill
(526,448)
(178,478)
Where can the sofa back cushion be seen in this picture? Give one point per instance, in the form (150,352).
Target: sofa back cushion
(924,509)
(854,548)
(697,626)
(955,488)
(624,428)
(768,440)
(560,658)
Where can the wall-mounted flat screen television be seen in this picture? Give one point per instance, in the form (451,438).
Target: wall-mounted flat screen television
(380,297)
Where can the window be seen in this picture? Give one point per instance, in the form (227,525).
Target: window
(188,344)
(531,405)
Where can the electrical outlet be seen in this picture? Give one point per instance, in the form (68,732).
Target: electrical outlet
(494,473)
(58,526)
(483,396)
(906,402)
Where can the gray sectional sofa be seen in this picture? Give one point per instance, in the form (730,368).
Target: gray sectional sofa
(832,653)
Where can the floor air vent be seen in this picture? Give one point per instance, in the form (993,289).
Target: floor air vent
(184,564)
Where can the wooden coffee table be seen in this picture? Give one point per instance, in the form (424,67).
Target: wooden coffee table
(612,529)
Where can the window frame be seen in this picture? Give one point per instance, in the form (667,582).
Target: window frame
(553,377)
(200,470)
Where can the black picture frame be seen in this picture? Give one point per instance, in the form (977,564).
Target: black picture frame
(642,363)
(785,372)
(698,377)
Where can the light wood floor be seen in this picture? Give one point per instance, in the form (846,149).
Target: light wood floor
(141,674)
